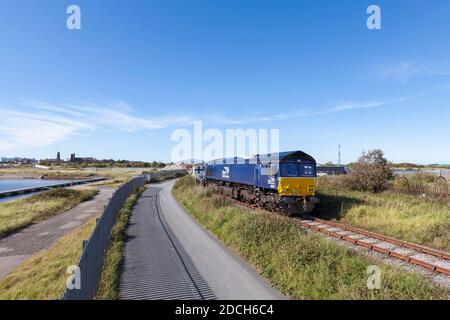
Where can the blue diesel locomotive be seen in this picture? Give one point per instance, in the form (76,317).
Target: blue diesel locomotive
(285,182)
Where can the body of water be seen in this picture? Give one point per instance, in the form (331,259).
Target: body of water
(444,172)
(15,184)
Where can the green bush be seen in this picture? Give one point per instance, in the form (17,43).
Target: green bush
(422,178)
(370,173)
(163,175)
(60,193)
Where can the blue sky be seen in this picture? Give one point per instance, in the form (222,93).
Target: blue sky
(137,70)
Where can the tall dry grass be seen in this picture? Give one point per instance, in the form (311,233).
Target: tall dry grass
(407,217)
(300,264)
(19,214)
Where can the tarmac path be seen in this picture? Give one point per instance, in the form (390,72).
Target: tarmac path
(168,255)
(19,246)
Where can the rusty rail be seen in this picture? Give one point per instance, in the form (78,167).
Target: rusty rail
(329,228)
(324,227)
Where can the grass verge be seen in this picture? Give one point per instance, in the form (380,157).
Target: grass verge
(163,175)
(115,176)
(19,214)
(108,288)
(402,216)
(43,276)
(300,264)
(68,175)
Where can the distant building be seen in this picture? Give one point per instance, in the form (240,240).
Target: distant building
(331,170)
(74,159)
(18,160)
(56,160)
(85,159)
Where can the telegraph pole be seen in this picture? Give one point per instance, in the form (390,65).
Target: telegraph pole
(339,155)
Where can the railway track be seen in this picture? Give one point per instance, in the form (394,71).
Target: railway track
(430,259)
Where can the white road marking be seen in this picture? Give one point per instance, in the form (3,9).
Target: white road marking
(70,225)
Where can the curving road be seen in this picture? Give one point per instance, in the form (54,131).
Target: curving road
(167,255)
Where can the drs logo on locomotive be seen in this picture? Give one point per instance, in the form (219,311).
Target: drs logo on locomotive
(226,172)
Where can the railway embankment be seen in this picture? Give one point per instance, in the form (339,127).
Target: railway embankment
(413,218)
(300,264)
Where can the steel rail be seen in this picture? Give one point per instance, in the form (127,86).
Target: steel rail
(326,227)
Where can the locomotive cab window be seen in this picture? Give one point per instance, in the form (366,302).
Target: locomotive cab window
(308,170)
(289,170)
(297,170)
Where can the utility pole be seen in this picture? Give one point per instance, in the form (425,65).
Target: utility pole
(339,155)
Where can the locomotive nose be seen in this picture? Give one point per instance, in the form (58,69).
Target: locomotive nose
(298,186)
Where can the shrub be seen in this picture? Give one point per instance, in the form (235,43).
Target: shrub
(417,181)
(219,201)
(63,195)
(332,182)
(370,173)
(185,182)
(163,175)
(422,178)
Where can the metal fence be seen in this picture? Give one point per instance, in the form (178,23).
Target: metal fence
(438,189)
(83,283)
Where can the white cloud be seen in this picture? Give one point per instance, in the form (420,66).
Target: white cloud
(402,71)
(40,123)
(341,107)
(363,105)
(7,146)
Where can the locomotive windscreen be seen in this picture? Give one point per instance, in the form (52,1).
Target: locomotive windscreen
(297,170)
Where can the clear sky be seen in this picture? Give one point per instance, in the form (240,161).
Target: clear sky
(137,70)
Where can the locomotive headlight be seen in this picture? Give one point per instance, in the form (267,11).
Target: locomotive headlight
(308,170)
